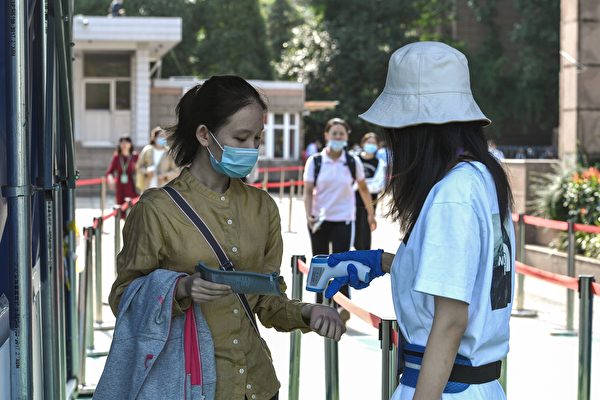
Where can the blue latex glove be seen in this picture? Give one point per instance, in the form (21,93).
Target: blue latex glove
(370,258)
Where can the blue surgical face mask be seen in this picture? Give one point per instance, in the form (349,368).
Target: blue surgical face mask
(236,162)
(161,141)
(337,145)
(370,148)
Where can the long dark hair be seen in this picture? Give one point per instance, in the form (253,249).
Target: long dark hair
(125,139)
(211,103)
(420,156)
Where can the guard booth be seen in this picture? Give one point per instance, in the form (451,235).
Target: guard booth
(39,344)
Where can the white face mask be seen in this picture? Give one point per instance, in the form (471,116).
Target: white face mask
(337,145)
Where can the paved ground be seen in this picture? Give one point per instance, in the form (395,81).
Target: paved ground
(540,366)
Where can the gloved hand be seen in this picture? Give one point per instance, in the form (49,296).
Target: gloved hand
(370,258)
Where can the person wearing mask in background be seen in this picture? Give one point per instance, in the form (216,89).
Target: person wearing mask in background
(219,127)
(121,170)
(453,273)
(495,151)
(329,199)
(375,179)
(155,167)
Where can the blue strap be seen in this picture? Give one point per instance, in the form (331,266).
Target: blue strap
(412,364)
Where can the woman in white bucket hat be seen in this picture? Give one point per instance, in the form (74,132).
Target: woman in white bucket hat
(452,274)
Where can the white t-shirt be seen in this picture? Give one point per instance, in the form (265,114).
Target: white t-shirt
(333,192)
(452,251)
(156,157)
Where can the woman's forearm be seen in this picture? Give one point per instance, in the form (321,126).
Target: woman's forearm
(308,197)
(449,324)
(366,197)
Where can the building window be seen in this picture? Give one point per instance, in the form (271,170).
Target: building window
(282,136)
(279,134)
(97,96)
(98,65)
(123,95)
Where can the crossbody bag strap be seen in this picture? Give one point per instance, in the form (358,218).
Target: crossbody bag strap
(225,263)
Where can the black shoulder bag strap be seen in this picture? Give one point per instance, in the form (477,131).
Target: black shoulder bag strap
(225,263)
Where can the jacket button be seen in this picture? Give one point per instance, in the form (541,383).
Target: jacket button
(235,341)
(229,222)
(242,370)
(234,249)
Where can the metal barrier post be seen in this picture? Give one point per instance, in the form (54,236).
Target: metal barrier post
(586,303)
(300,187)
(385,334)
(332,391)
(393,380)
(569,331)
(98,266)
(117,208)
(103,196)
(281,181)
(291,206)
(520,310)
(295,336)
(89,291)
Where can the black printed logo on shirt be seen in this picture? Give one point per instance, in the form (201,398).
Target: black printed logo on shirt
(501,290)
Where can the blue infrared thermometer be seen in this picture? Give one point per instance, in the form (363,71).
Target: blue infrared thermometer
(320,273)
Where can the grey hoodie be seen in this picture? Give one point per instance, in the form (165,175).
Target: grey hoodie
(146,358)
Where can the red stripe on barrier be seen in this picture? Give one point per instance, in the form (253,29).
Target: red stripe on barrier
(88,182)
(272,185)
(345,302)
(596,288)
(551,277)
(546,223)
(586,228)
(281,169)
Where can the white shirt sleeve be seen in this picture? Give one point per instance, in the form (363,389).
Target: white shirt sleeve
(309,170)
(376,184)
(450,251)
(360,169)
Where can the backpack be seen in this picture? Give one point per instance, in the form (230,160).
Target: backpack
(350,162)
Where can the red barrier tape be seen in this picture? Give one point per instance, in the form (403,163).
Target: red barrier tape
(586,228)
(281,169)
(88,182)
(596,288)
(546,223)
(272,185)
(551,277)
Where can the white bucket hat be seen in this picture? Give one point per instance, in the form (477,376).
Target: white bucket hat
(427,83)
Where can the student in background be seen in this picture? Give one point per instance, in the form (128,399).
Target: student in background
(155,166)
(375,179)
(121,170)
(329,199)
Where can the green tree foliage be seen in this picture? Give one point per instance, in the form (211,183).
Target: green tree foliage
(538,38)
(179,61)
(350,54)
(520,94)
(283,17)
(91,7)
(232,40)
